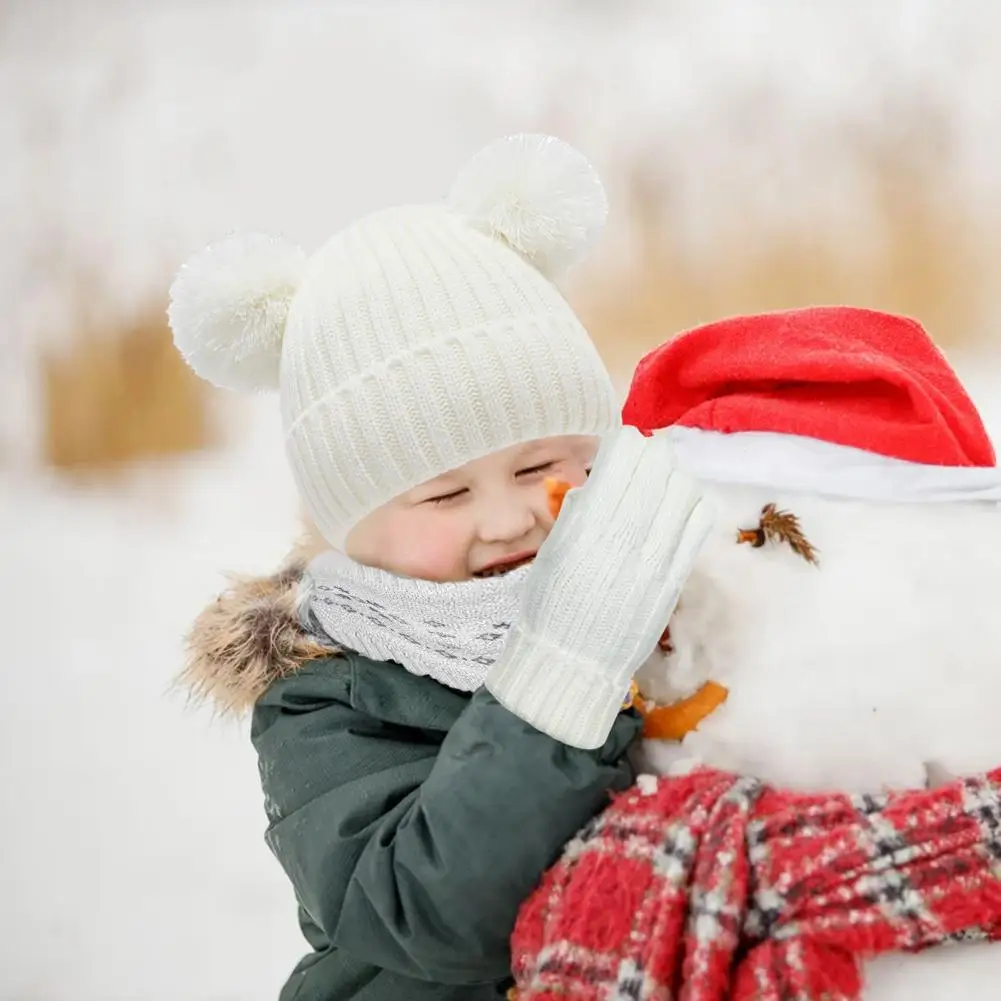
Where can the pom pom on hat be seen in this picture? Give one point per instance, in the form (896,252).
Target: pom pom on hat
(228,307)
(536,193)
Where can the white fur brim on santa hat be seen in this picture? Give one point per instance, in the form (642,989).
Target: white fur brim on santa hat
(807,465)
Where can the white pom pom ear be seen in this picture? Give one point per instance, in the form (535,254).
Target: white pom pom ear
(228,307)
(538,194)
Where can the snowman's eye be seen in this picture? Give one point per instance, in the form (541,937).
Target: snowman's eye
(779,526)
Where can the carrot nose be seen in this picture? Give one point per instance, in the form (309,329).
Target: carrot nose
(556,490)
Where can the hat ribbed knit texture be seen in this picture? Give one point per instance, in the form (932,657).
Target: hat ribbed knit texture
(415,344)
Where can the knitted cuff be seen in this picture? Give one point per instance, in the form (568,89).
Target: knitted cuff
(564,696)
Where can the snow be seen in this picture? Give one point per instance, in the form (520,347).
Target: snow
(133,863)
(133,860)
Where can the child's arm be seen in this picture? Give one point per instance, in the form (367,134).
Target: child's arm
(415,855)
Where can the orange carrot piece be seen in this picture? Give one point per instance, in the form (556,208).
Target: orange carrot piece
(674,721)
(556,490)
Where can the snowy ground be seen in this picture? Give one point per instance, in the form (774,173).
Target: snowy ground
(132,858)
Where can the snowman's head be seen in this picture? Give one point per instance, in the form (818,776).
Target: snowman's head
(845,598)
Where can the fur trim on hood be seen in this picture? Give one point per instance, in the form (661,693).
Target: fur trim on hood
(249,638)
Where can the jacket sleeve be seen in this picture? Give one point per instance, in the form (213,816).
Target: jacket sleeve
(413,853)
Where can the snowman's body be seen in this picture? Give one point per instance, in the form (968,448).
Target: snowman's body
(879,667)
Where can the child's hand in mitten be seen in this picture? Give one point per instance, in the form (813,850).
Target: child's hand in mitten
(603,585)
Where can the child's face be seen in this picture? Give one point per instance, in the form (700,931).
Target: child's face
(482,518)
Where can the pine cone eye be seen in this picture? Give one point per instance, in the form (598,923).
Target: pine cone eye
(779,526)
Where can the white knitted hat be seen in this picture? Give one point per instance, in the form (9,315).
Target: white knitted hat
(417,339)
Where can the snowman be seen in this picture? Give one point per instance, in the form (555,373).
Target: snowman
(824,821)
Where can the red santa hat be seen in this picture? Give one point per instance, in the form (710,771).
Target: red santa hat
(831,400)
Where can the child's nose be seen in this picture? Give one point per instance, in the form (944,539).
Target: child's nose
(507,523)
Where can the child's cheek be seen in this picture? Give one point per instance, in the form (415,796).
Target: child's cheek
(433,546)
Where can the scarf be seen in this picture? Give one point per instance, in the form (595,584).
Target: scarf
(712,887)
(452,632)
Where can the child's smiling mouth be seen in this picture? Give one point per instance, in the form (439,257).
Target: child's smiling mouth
(505,565)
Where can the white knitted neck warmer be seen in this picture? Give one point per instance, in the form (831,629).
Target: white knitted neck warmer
(452,632)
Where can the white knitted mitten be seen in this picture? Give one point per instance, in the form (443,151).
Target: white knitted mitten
(601,590)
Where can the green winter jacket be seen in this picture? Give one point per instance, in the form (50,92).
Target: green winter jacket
(412,820)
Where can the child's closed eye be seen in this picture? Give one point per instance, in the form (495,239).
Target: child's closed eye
(535,470)
(445,498)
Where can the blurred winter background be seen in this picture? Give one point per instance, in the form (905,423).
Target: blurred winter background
(760,154)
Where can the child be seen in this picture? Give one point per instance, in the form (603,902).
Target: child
(434,716)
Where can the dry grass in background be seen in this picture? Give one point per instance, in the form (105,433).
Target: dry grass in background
(922,255)
(116,398)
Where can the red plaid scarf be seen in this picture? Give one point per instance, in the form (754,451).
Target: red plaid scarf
(713,887)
